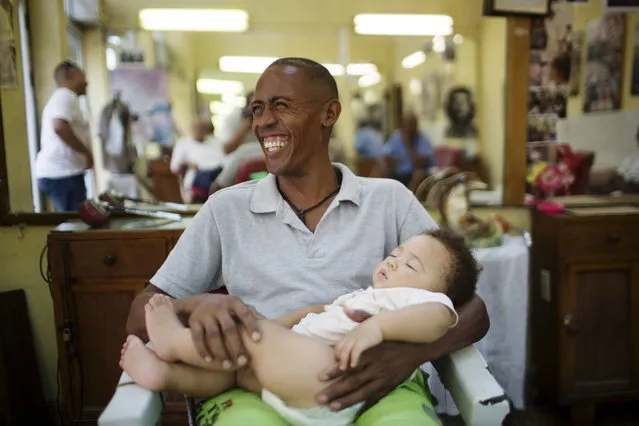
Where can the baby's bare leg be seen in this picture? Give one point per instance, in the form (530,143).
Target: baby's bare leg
(152,373)
(288,364)
(170,339)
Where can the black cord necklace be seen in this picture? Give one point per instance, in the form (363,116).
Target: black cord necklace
(301,213)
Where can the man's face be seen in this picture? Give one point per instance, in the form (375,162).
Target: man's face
(290,121)
(409,127)
(77,81)
(200,131)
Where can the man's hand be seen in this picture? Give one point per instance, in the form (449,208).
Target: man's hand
(380,370)
(89,161)
(215,325)
(349,350)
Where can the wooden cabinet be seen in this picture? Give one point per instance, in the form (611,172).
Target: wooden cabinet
(21,397)
(585,310)
(95,276)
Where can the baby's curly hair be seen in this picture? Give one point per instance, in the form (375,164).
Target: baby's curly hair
(463,271)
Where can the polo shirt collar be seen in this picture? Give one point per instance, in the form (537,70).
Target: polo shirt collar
(266,197)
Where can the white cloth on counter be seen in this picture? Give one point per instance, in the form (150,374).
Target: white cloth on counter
(503,285)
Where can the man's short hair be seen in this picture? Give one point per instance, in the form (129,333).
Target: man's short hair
(317,73)
(462,273)
(61,71)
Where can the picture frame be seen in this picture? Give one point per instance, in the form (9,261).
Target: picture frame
(530,8)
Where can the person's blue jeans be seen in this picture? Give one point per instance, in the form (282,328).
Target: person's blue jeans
(66,194)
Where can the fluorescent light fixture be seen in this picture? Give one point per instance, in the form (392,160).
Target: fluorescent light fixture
(257,65)
(245,64)
(414,59)
(211,86)
(352,69)
(217,107)
(370,79)
(403,24)
(222,20)
(235,100)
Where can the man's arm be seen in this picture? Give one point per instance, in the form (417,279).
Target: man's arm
(472,326)
(422,323)
(63,129)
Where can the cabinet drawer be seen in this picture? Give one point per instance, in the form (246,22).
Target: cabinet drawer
(116,258)
(591,240)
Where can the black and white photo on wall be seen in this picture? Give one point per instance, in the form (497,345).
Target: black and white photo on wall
(604,63)
(517,7)
(460,110)
(548,100)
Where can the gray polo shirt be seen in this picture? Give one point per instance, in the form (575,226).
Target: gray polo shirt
(248,238)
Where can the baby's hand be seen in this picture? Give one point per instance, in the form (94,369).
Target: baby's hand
(350,348)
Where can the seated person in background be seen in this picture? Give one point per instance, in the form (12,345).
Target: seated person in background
(200,154)
(407,155)
(368,147)
(412,299)
(233,162)
(237,127)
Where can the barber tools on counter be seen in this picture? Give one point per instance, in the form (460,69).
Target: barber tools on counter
(96,213)
(117,199)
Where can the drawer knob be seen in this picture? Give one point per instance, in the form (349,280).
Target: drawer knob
(613,237)
(569,324)
(109,260)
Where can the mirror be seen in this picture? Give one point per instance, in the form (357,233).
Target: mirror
(582,106)
(453,83)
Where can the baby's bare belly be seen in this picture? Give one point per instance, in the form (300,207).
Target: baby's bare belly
(288,364)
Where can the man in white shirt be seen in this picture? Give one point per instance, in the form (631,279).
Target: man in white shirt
(197,156)
(65,140)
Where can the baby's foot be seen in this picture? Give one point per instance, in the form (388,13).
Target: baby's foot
(146,369)
(163,325)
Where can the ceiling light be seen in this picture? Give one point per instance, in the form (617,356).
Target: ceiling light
(223,20)
(370,79)
(257,65)
(245,64)
(235,100)
(458,39)
(403,24)
(352,69)
(211,86)
(414,59)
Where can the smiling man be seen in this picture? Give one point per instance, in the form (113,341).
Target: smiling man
(306,234)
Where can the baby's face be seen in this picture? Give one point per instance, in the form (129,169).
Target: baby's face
(418,263)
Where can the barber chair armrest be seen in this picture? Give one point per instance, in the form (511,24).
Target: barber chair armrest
(132,405)
(481,401)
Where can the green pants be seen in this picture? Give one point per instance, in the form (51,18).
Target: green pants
(408,405)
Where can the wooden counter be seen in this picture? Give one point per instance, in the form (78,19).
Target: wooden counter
(95,276)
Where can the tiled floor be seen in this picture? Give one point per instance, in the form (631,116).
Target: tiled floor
(610,415)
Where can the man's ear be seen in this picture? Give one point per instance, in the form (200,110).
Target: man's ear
(331,113)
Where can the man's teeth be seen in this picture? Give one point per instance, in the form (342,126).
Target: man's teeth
(272,144)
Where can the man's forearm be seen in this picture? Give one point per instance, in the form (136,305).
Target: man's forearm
(472,326)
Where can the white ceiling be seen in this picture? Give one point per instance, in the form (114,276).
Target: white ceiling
(299,15)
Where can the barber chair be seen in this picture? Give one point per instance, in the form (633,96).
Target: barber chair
(448,156)
(477,395)
(254,165)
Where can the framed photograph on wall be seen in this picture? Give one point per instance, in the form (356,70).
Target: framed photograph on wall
(517,7)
